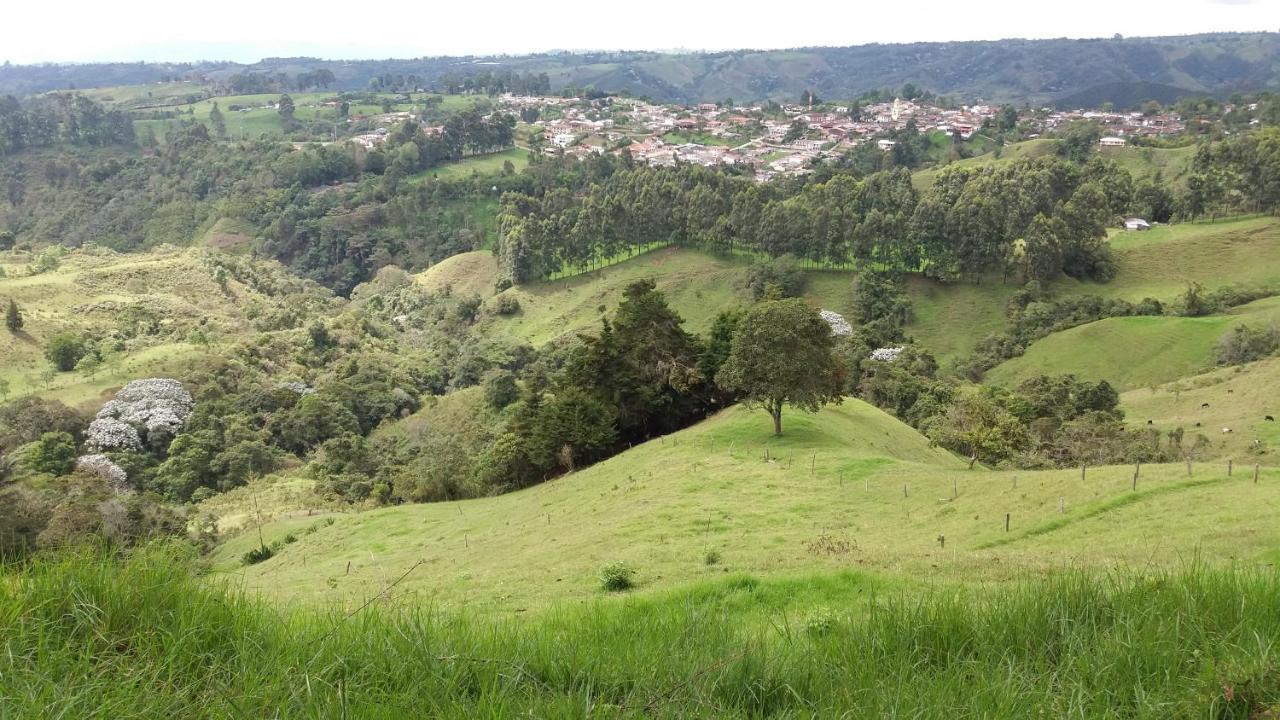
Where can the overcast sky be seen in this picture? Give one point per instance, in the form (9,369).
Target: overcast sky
(247,30)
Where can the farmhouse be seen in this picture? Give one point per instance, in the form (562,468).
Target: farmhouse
(1112,142)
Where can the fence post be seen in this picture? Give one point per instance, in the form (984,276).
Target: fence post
(1006,522)
(1230,462)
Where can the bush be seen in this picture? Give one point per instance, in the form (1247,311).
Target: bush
(506,304)
(54,453)
(259,554)
(712,557)
(783,273)
(1245,344)
(64,351)
(617,576)
(500,389)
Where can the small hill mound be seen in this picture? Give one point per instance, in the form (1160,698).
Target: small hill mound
(470,273)
(848,488)
(661,506)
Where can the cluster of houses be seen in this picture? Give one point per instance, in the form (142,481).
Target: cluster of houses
(784,140)
(1117,127)
(711,134)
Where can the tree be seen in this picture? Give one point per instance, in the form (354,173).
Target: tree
(977,426)
(285,110)
(1079,141)
(783,353)
(217,122)
(64,351)
(13,317)
(89,365)
(54,453)
(500,389)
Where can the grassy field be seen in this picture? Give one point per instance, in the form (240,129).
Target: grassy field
(698,285)
(257,115)
(93,289)
(1161,263)
(1134,352)
(1239,398)
(487,164)
(161,94)
(1142,643)
(848,489)
(949,319)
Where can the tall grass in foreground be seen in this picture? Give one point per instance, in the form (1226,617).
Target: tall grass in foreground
(83,636)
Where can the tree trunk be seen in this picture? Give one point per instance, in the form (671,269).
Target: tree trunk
(775,410)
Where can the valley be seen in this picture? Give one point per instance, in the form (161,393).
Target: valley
(575,388)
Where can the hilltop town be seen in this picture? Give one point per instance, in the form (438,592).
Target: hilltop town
(772,140)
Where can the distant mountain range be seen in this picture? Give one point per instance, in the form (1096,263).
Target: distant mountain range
(1126,71)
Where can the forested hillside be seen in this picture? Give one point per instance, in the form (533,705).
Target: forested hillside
(1125,71)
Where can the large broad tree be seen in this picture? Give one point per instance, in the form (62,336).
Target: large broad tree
(783,354)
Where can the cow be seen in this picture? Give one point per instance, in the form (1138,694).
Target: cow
(1204,405)
(1226,430)
(1270,419)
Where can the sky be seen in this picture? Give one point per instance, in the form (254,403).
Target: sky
(248,30)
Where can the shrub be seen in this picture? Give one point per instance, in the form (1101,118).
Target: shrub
(506,304)
(820,623)
(54,453)
(712,557)
(1245,344)
(500,389)
(617,576)
(259,554)
(64,351)
(783,273)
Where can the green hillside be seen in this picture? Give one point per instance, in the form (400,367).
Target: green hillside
(1134,352)
(830,497)
(150,311)
(1238,398)
(1122,70)
(696,284)
(1141,162)
(947,318)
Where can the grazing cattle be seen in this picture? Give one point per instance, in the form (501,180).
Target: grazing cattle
(1148,422)
(1197,424)
(1204,405)
(1270,419)
(1226,430)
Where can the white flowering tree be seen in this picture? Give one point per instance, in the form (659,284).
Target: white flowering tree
(886,354)
(839,326)
(145,413)
(101,466)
